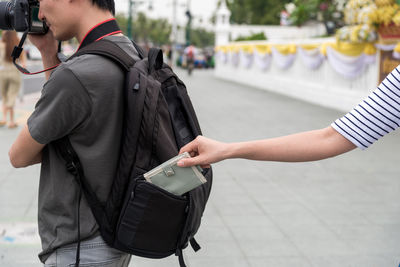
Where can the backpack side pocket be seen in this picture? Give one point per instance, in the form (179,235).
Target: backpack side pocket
(151,221)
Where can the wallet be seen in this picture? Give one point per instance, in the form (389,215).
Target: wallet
(174,179)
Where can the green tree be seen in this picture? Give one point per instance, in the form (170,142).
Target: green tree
(324,10)
(259,12)
(159,31)
(240,11)
(202,38)
(252,37)
(141,28)
(146,30)
(122,22)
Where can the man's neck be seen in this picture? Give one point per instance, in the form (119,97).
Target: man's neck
(90,21)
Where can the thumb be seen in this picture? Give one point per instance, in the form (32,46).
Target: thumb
(188,148)
(191,147)
(187,162)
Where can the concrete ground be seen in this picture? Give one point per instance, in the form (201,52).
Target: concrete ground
(338,212)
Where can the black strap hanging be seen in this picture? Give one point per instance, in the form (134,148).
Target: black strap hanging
(74,167)
(196,247)
(179,253)
(16,53)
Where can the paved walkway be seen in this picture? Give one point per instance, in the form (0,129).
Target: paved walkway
(338,212)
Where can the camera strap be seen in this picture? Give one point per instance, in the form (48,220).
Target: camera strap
(18,51)
(98,32)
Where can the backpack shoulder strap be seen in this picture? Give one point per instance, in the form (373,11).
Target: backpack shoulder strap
(74,167)
(113,52)
(140,50)
(110,50)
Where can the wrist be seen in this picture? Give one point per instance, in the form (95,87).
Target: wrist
(48,54)
(228,151)
(50,60)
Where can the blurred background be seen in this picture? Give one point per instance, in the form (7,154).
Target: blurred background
(258,69)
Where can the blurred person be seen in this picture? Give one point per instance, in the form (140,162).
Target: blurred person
(10,78)
(209,59)
(82,99)
(189,53)
(374,117)
(169,56)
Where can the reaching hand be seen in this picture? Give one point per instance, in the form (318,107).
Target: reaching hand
(204,151)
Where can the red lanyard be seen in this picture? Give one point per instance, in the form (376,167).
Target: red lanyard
(98,32)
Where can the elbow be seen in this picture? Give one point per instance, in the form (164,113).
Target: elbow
(336,143)
(16,162)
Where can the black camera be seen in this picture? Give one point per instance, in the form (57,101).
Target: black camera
(21,16)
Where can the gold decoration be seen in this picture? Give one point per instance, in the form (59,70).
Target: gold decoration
(382,3)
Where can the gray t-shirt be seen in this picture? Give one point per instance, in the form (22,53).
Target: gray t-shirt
(83,99)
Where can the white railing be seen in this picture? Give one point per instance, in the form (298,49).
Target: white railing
(278,32)
(322,86)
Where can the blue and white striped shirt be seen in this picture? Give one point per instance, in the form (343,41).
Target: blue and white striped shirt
(375,116)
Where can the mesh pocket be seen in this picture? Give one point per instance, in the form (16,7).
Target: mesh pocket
(152,221)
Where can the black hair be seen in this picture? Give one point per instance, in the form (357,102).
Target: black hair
(105,5)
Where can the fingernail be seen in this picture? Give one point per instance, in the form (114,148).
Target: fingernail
(180,163)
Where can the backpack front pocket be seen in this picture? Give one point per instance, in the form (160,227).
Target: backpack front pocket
(151,221)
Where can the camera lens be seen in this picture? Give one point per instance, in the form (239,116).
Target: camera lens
(5,16)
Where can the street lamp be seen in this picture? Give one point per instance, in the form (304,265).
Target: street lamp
(129,28)
(174,41)
(174,32)
(189,24)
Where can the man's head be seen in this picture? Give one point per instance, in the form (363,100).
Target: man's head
(73,18)
(106,5)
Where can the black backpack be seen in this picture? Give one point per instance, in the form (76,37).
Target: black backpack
(138,217)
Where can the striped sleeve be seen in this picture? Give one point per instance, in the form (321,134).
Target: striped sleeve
(375,116)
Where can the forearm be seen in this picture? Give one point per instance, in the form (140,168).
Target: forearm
(25,151)
(306,146)
(35,160)
(22,162)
